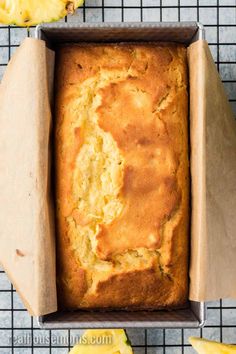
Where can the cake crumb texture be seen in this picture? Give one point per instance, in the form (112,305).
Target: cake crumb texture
(122,175)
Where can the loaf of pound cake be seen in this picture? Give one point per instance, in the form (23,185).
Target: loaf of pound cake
(122,175)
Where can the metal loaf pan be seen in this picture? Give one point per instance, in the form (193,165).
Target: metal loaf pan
(184,32)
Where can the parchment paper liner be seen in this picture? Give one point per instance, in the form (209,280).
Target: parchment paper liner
(27,245)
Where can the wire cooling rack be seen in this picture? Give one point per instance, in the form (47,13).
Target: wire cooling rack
(19,333)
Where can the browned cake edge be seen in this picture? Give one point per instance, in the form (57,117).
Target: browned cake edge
(157,290)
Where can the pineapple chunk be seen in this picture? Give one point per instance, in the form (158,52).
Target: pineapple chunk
(103,341)
(204,346)
(31,12)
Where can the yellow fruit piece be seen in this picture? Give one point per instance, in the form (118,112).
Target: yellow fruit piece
(32,12)
(204,346)
(103,341)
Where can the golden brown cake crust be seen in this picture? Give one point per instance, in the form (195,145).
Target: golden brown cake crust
(122,175)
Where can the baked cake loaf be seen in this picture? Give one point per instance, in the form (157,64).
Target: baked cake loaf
(122,175)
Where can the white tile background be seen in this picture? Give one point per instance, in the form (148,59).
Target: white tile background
(219,18)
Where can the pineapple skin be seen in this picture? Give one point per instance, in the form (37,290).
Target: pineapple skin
(26,13)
